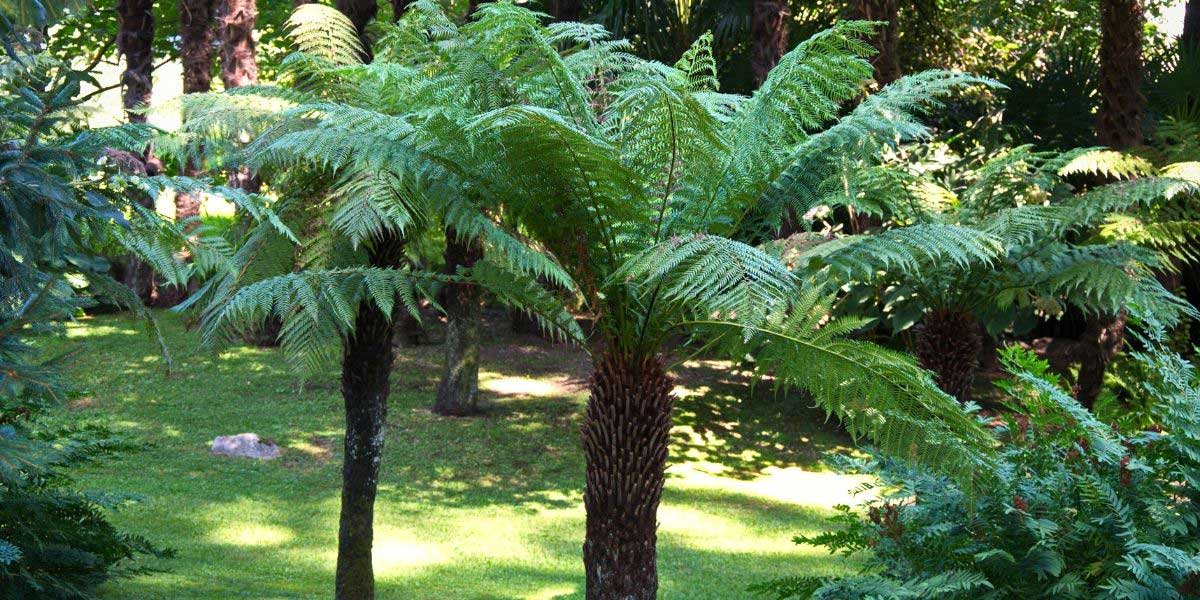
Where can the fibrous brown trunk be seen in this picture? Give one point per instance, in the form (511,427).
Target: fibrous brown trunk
(135,42)
(948,343)
(1121,71)
(196,53)
(626,434)
(887,37)
(458,391)
(239,62)
(768,36)
(1191,25)
(366,364)
(1102,339)
(360,12)
(565,10)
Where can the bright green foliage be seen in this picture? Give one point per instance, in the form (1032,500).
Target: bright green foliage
(1009,239)
(59,210)
(1078,510)
(623,176)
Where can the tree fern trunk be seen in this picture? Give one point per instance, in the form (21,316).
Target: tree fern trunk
(565,10)
(366,365)
(1122,104)
(239,62)
(196,53)
(768,36)
(1191,24)
(135,42)
(626,433)
(458,391)
(1103,338)
(887,38)
(360,12)
(948,343)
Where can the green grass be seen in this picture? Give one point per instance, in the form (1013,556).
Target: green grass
(487,507)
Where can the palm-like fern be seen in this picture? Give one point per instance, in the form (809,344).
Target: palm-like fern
(1045,245)
(623,176)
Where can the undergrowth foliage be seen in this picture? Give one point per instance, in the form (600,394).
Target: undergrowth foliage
(1073,509)
(61,208)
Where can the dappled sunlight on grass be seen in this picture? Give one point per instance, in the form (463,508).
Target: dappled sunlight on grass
(486,507)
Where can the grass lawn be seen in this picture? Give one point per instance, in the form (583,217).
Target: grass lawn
(487,507)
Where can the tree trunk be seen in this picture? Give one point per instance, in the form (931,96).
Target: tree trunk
(135,42)
(1122,104)
(458,391)
(948,344)
(360,12)
(565,10)
(626,434)
(1191,25)
(886,39)
(1102,339)
(196,53)
(239,63)
(366,364)
(768,36)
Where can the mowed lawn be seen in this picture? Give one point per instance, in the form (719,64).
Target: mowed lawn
(487,507)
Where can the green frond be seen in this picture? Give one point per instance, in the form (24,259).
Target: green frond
(910,250)
(522,292)
(698,65)
(1109,163)
(323,31)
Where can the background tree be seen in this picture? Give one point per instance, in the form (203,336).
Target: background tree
(239,61)
(887,37)
(1191,24)
(196,28)
(769,34)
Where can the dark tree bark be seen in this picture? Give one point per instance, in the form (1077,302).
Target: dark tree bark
(1122,104)
(360,12)
(239,62)
(768,36)
(1191,24)
(1102,340)
(196,52)
(366,365)
(886,39)
(626,433)
(565,10)
(472,6)
(948,344)
(135,42)
(458,391)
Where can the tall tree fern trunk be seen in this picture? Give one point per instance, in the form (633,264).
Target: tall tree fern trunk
(196,53)
(565,10)
(948,344)
(366,366)
(887,38)
(458,391)
(1122,105)
(768,36)
(626,433)
(239,62)
(360,12)
(135,43)
(1191,25)
(1119,126)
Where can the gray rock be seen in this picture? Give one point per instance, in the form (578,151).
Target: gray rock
(245,444)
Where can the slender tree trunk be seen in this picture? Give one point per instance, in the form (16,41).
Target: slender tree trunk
(948,344)
(458,392)
(768,36)
(887,38)
(565,10)
(1122,104)
(360,12)
(626,434)
(135,43)
(1191,24)
(239,62)
(196,52)
(366,365)
(1119,126)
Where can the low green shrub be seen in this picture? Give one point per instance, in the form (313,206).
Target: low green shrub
(1074,508)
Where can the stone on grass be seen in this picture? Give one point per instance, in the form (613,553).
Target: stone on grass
(245,444)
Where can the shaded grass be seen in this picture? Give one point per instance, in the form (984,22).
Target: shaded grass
(488,507)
